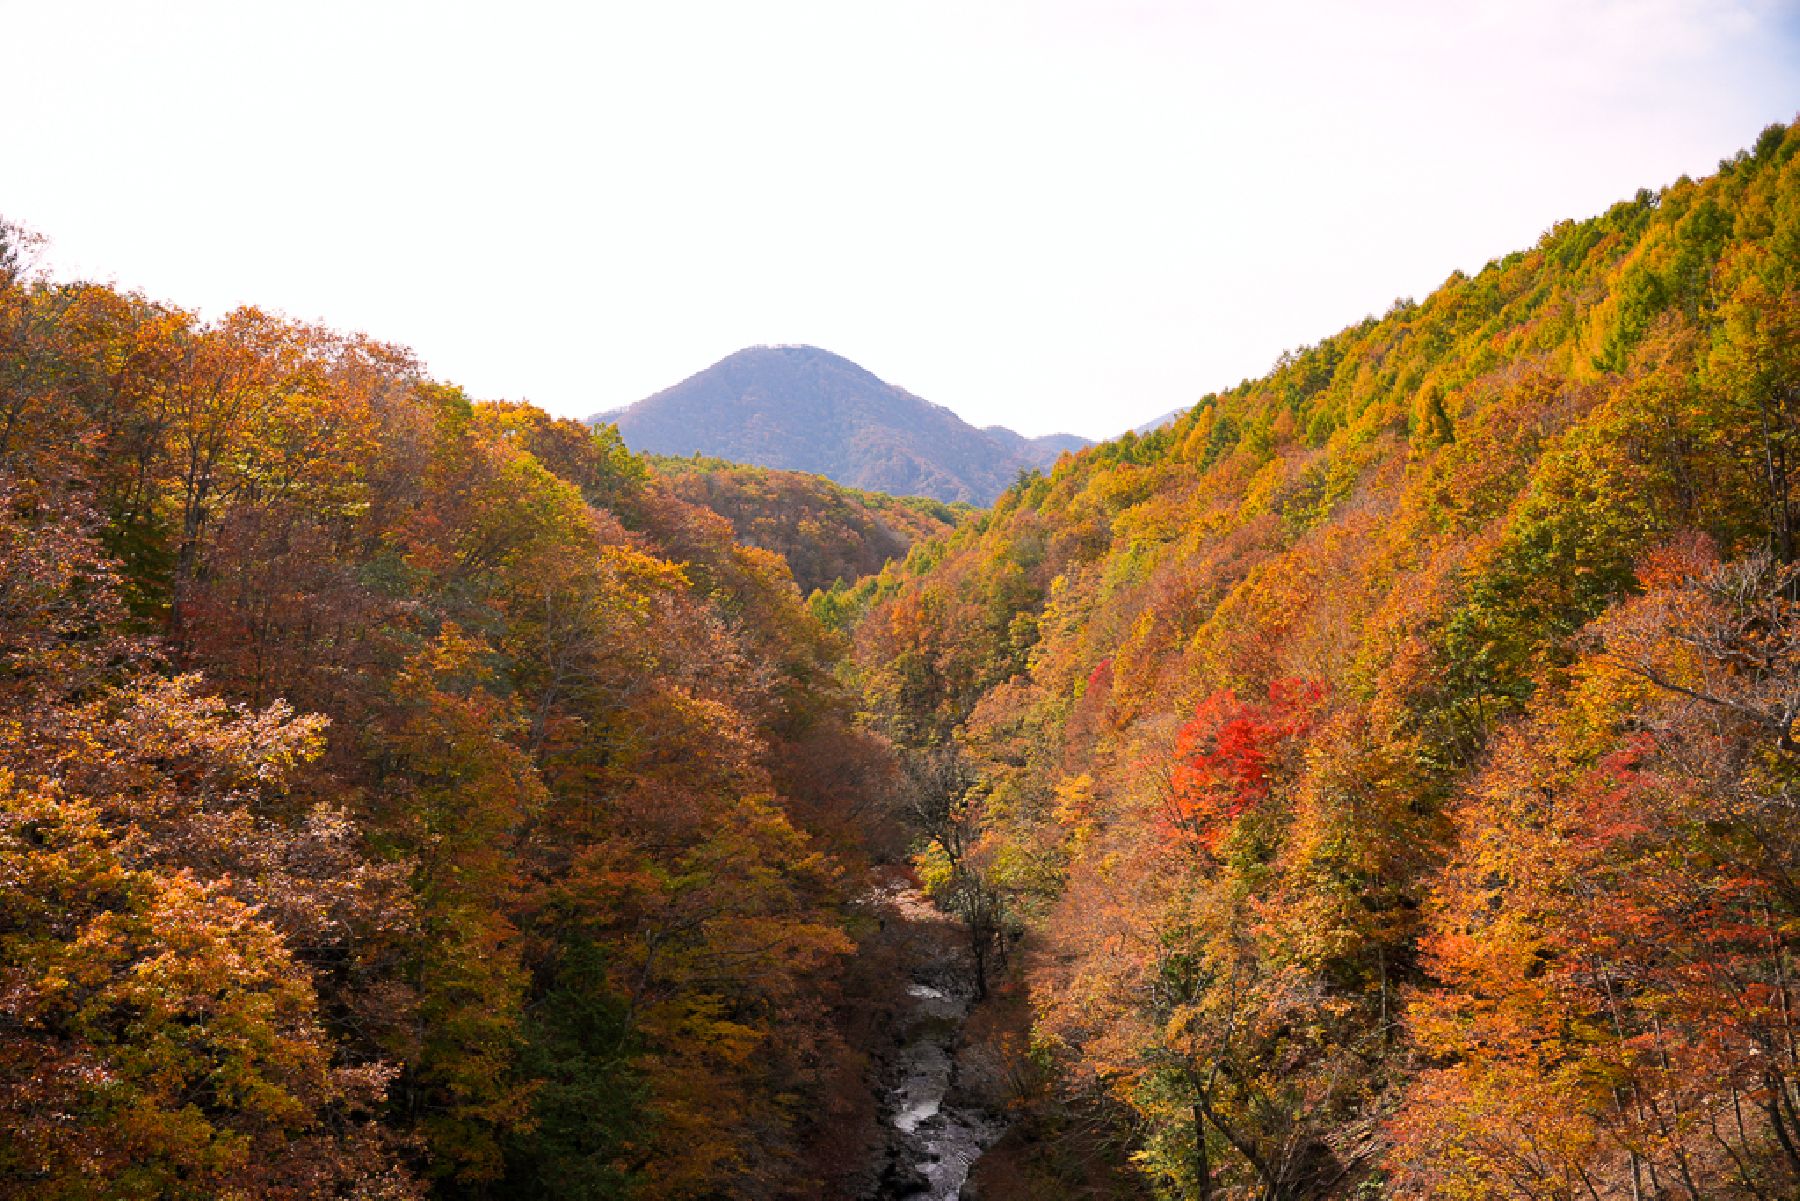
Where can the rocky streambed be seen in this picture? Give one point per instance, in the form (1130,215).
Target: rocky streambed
(934,1130)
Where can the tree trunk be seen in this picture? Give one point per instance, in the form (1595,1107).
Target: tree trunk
(1203,1189)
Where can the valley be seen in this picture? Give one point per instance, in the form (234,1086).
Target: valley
(1374,780)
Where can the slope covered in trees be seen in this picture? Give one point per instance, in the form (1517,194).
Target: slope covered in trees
(799,408)
(1382,777)
(827,534)
(1393,760)
(398,795)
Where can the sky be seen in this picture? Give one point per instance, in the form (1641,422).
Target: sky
(1050,214)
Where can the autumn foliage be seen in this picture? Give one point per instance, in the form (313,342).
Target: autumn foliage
(1386,769)
(399,795)
(1224,761)
(1381,779)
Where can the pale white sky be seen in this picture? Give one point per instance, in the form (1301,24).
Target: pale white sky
(1058,215)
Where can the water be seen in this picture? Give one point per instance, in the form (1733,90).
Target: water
(936,1140)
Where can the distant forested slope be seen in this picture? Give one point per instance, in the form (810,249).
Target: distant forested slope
(828,534)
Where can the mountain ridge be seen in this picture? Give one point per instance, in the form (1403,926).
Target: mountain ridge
(802,408)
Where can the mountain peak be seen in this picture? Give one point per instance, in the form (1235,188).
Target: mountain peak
(803,408)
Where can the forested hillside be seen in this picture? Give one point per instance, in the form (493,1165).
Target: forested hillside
(826,533)
(398,795)
(1378,781)
(1391,764)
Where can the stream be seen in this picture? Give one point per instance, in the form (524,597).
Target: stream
(935,1134)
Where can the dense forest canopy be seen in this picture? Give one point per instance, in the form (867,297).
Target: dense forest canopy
(1392,762)
(1378,781)
(398,794)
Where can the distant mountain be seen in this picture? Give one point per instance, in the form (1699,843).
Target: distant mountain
(799,408)
(1157,423)
(1043,449)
